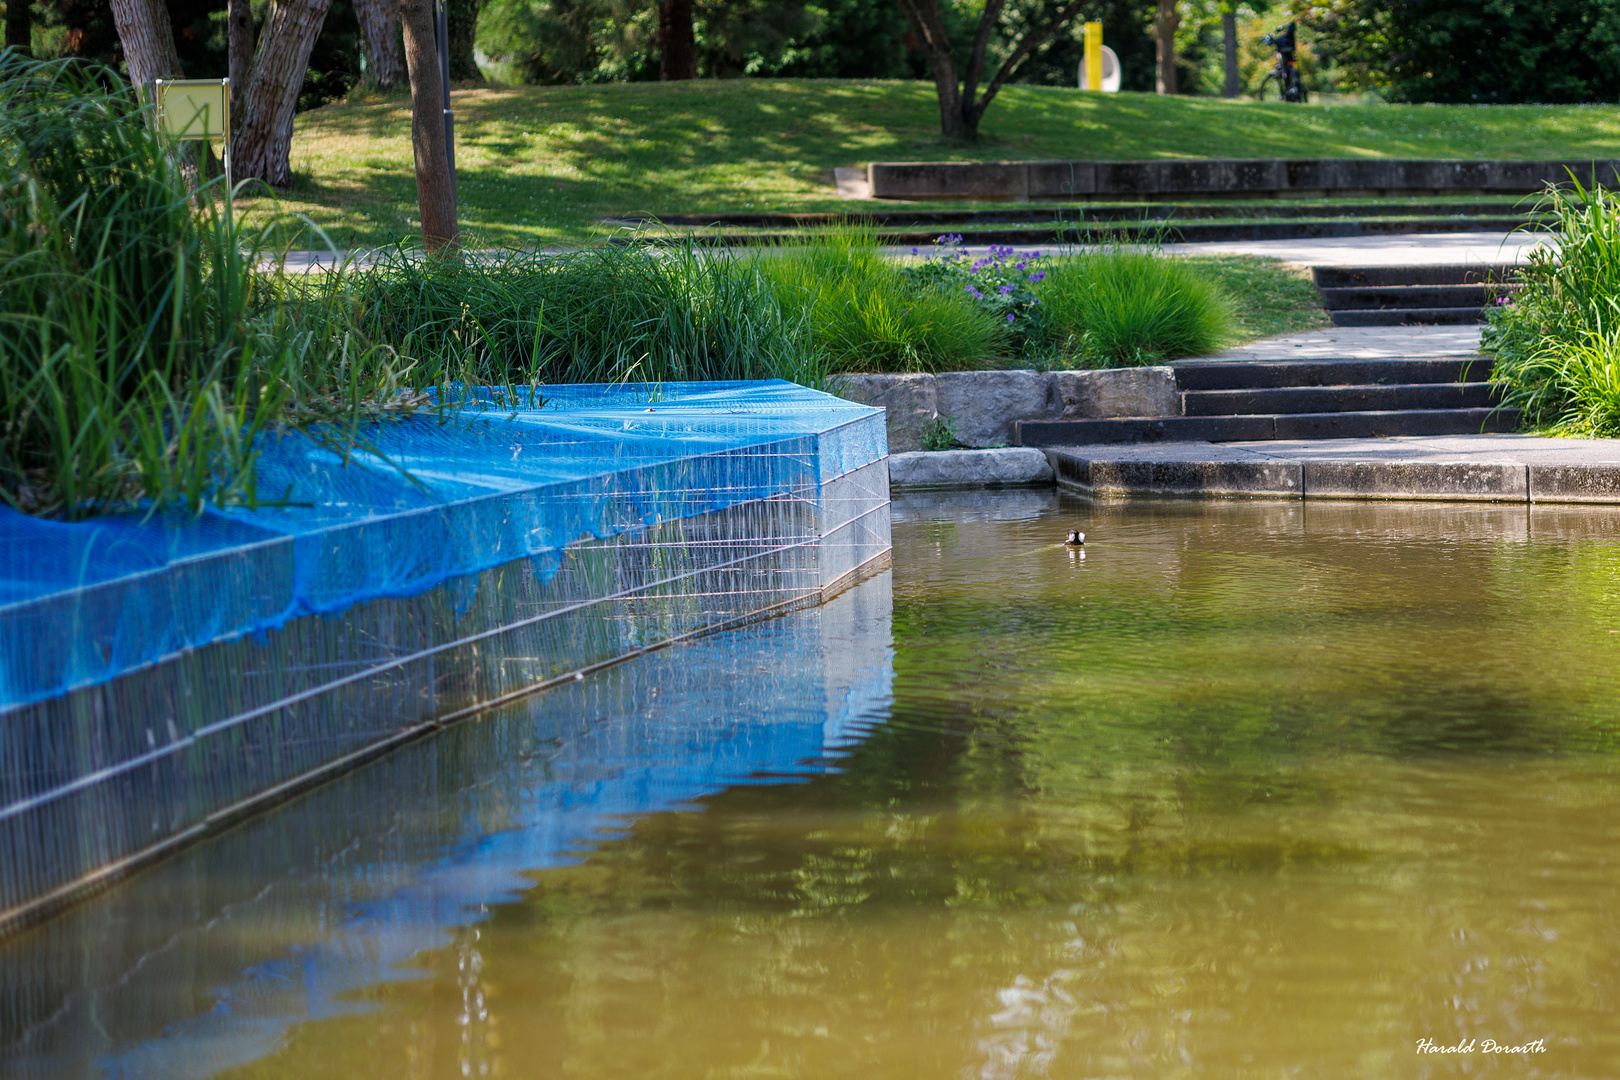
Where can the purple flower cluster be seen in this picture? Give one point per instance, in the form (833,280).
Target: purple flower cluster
(1000,280)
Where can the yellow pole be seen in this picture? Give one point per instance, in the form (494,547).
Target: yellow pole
(1094,56)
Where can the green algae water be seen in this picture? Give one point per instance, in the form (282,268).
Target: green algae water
(1247,790)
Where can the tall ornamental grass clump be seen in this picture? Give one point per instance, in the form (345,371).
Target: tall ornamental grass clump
(140,360)
(864,314)
(611,313)
(1556,336)
(1112,308)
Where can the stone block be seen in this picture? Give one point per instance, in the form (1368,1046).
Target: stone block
(1128,177)
(1061,179)
(969,468)
(1595,483)
(1487,481)
(949,180)
(910,401)
(984,405)
(1093,395)
(1132,476)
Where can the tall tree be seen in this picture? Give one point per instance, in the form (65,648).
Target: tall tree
(961,103)
(677,41)
(143,27)
(379,35)
(434,197)
(263,146)
(239,49)
(19,27)
(462,18)
(1165,25)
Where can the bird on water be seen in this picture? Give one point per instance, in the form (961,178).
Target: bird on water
(1075,539)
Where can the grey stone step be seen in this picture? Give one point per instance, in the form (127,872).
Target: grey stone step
(1339,425)
(1321,399)
(1382,297)
(1345,277)
(1445,316)
(1264,374)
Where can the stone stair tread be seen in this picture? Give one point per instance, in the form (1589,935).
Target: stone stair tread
(1260,427)
(1201,375)
(1443,316)
(1328,277)
(1338,398)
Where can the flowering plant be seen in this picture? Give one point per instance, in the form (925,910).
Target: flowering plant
(1001,281)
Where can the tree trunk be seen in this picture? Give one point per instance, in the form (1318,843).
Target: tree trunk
(677,43)
(434,198)
(239,51)
(379,35)
(1165,27)
(19,27)
(1229,32)
(143,28)
(462,15)
(263,148)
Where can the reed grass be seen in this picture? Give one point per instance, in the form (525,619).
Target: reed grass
(863,315)
(1113,307)
(140,359)
(614,312)
(1555,337)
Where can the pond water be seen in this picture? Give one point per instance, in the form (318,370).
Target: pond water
(1247,790)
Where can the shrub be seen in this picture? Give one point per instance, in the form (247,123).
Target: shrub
(1556,336)
(865,316)
(1114,307)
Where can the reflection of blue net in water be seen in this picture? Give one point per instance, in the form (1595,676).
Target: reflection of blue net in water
(204,963)
(155,672)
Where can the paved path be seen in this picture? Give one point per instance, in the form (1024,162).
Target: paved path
(1359,343)
(1414,249)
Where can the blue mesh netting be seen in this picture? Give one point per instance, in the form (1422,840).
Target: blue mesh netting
(81,603)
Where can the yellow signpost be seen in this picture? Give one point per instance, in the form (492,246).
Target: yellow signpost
(197,109)
(1094,56)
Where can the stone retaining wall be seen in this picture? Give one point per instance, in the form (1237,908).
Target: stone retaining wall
(984,405)
(1023,180)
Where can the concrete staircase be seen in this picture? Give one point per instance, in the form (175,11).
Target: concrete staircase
(1224,401)
(1407,295)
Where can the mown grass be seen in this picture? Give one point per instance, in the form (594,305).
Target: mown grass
(542,165)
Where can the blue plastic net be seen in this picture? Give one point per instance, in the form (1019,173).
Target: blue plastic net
(427,503)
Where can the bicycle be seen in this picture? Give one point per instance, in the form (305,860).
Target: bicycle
(1286,72)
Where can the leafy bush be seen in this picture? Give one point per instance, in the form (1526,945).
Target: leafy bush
(139,358)
(864,315)
(1113,307)
(1556,336)
(1001,282)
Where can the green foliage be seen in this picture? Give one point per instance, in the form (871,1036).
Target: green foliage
(589,41)
(865,316)
(1556,338)
(1002,283)
(939,434)
(1116,308)
(140,360)
(1486,51)
(611,313)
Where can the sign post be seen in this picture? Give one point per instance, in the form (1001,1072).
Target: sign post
(197,109)
(1094,56)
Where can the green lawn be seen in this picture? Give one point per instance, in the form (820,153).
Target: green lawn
(544,164)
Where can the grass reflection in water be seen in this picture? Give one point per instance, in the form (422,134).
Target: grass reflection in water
(1252,790)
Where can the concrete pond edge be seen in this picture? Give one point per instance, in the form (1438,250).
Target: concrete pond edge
(1075,469)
